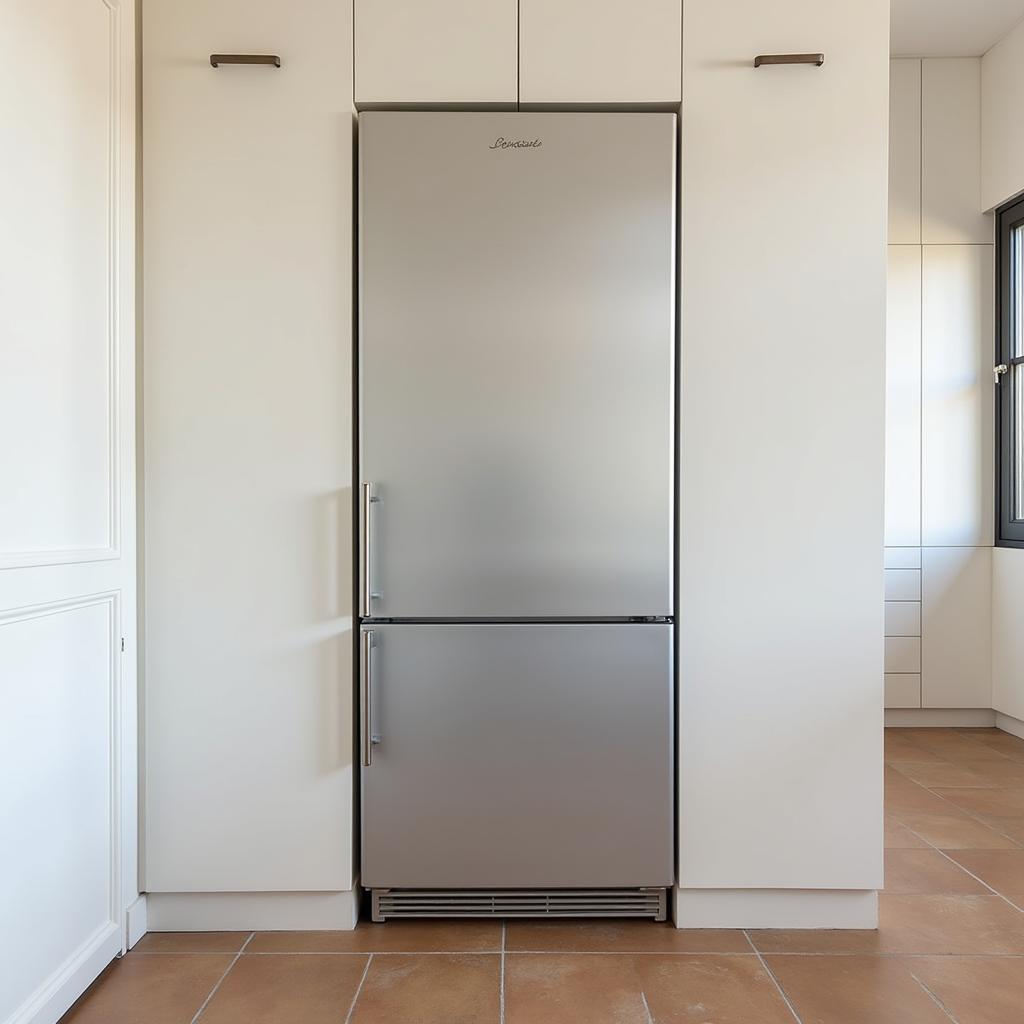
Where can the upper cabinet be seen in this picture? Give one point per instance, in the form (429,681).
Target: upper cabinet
(950,153)
(435,52)
(905,152)
(599,51)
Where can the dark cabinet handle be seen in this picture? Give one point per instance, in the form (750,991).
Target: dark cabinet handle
(817,59)
(216,59)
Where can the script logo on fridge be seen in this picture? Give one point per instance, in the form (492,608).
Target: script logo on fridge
(503,143)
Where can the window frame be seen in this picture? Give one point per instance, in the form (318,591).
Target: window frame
(1009,531)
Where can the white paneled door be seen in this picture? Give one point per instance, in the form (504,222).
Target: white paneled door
(67,499)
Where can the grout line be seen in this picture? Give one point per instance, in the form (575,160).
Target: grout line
(647,1009)
(359,988)
(771,974)
(501,983)
(603,952)
(932,996)
(220,980)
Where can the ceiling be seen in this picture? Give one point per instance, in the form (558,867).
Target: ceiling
(950,28)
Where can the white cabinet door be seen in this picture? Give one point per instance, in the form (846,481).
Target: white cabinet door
(764,154)
(599,51)
(68,800)
(956,643)
(248,186)
(950,153)
(904,151)
(903,397)
(957,394)
(434,51)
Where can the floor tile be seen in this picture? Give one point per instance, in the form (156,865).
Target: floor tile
(854,990)
(954,830)
(1001,869)
(1014,828)
(191,942)
(946,774)
(914,924)
(975,990)
(1004,774)
(899,837)
(898,748)
(287,989)
(149,990)
(987,803)
(928,871)
(430,990)
(620,937)
(392,937)
(1007,745)
(901,795)
(583,989)
(950,745)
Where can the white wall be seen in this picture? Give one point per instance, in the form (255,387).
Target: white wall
(781,505)
(1002,141)
(939,398)
(1007,635)
(248,200)
(1002,178)
(68,801)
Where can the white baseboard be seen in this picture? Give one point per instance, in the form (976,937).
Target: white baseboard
(56,994)
(1009,724)
(137,926)
(251,911)
(940,718)
(776,908)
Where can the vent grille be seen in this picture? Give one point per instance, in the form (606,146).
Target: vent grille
(403,903)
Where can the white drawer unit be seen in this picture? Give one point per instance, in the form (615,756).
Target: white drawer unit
(903,558)
(902,690)
(903,584)
(903,654)
(902,618)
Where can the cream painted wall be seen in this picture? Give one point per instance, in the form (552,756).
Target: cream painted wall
(1007,635)
(248,317)
(1002,178)
(1002,141)
(68,740)
(781,504)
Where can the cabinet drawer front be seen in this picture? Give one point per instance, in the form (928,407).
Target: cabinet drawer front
(902,618)
(902,654)
(902,690)
(903,584)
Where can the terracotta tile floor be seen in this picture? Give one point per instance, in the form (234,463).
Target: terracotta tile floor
(950,946)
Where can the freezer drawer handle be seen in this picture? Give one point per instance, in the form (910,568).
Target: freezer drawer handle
(367,738)
(367,593)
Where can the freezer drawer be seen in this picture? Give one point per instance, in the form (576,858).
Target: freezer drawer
(516,362)
(514,756)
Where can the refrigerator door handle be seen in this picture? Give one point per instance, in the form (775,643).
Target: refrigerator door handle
(367,593)
(366,737)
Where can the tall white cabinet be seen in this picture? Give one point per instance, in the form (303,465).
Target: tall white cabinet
(939,391)
(247,431)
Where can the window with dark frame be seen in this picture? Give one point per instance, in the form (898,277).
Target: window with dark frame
(1009,374)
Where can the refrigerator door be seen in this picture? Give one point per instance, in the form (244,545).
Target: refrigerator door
(517,323)
(519,756)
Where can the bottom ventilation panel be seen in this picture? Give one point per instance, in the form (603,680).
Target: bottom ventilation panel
(405,903)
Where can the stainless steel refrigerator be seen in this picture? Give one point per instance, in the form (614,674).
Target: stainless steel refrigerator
(516,369)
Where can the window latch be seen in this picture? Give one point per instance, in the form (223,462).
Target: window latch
(998,371)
